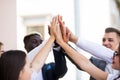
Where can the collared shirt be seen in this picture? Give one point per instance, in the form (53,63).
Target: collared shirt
(101,52)
(112,73)
(113,77)
(31,55)
(97,50)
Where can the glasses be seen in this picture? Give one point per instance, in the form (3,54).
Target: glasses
(116,54)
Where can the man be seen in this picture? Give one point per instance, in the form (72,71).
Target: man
(51,71)
(110,40)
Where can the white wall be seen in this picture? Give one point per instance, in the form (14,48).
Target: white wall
(53,7)
(8,33)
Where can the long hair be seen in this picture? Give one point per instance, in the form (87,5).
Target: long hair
(11,63)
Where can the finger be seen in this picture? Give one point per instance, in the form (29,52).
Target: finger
(68,36)
(59,18)
(64,33)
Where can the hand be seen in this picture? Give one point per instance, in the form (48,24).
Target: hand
(71,36)
(56,29)
(64,29)
(53,25)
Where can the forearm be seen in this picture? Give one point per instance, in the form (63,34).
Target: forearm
(60,63)
(73,38)
(95,49)
(84,63)
(40,58)
(77,57)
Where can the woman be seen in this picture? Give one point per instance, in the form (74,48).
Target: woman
(15,65)
(82,61)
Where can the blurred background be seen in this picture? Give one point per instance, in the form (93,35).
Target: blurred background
(85,18)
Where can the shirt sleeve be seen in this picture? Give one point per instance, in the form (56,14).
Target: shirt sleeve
(95,49)
(33,52)
(36,76)
(112,77)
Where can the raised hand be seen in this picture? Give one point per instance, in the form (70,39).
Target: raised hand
(53,25)
(65,31)
(54,29)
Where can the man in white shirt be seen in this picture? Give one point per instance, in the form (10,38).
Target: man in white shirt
(51,71)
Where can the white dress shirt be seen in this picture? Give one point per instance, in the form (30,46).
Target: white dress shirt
(97,50)
(36,75)
(101,52)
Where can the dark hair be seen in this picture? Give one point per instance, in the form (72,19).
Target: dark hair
(11,63)
(31,41)
(111,29)
(1,44)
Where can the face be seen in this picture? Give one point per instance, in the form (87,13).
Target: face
(25,73)
(1,49)
(116,61)
(111,40)
(33,42)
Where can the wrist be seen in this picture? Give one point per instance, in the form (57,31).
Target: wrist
(52,37)
(74,39)
(61,43)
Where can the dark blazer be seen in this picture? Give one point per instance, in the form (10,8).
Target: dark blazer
(56,70)
(98,63)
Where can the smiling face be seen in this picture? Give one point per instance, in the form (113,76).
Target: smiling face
(111,40)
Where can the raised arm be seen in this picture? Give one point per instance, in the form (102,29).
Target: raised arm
(95,49)
(40,58)
(82,61)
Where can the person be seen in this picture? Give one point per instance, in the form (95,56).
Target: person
(15,64)
(110,40)
(50,71)
(83,62)
(31,41)
(1,47)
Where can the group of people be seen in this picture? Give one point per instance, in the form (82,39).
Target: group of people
(17,65)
